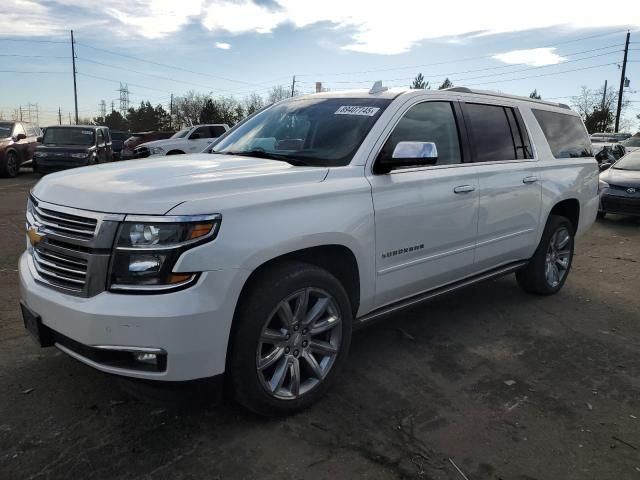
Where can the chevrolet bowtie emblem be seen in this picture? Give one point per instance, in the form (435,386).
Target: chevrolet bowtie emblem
(34,236)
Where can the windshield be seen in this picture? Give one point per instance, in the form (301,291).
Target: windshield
(182,133)
(5,129)
(69,136)
(309,131)
(629,142)
(630,162)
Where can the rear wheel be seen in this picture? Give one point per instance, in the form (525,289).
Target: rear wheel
(602,214)
(9,166)
(549,267)
(290,340)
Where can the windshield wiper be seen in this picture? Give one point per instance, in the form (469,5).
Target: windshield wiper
(267,155)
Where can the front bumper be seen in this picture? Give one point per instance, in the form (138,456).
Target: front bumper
(192,326)
(620,203)
(45,165)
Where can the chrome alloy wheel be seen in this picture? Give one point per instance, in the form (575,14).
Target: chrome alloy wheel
(299,343)
(558,257)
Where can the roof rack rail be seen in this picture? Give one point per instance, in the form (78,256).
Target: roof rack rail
(506,95)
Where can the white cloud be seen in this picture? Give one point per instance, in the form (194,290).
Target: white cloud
(364,26)
(535,57)
(223,45)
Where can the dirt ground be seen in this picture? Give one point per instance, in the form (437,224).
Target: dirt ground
(502,384)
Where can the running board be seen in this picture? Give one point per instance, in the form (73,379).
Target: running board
(423,297)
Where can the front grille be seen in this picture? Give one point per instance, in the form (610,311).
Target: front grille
(60,269)
(70,248)
(65,224)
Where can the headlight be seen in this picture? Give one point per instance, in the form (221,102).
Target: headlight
(80,155)
(602,185)
(147,249)
(39,154)
(156,151)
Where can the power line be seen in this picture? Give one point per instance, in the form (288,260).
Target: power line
(31,71)
(29,56)
(30,40)
(173,67)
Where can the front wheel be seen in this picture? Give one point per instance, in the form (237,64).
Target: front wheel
(549,267)
(291,337)
(9,167)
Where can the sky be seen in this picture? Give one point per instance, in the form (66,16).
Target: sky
(237,47)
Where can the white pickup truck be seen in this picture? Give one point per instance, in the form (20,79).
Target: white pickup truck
(318,215)
(188,140)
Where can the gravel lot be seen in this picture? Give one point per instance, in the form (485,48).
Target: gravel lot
(503,384)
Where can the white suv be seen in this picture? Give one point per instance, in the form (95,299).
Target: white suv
(188,140)
(317,215)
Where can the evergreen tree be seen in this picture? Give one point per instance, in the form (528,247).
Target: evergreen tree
(419,82)
(446,84)
(535,95)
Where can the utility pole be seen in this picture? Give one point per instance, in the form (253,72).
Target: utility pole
(112,106)
(69,118)
(20,112)
(59,116)
(75,88)
(293,85)
(171,112)
(622,81)
(103,108)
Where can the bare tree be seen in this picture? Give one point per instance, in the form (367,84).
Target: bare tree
(597,109)
(279,93)
(188,107)
(253,103)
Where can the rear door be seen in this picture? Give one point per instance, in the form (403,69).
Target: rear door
(510,190)
(22,145)
(426,217)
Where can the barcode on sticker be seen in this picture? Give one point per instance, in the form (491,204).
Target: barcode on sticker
(355,110)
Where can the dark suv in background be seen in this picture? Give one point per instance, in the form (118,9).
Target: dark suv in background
(72,146)
(18,140)
(118,137)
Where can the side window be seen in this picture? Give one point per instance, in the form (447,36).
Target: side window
(217,131)
(100,137)
(497,133)
(200,132)
(18,129)
(30,131)
(565,134)
(428,122)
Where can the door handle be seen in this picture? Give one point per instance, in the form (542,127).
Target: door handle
(530,179)
(464,189)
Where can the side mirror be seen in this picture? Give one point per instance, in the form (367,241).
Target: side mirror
(20,136)
(605,166)
(39,139)
(409,154)
(195,136)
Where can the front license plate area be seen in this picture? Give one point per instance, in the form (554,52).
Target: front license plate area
(33,324)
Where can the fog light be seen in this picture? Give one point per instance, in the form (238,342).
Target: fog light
(145,263)
(148,358)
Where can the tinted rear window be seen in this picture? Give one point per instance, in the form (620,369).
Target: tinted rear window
(566,134)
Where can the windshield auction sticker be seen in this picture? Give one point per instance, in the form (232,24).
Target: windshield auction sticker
(87,132)
(355,110)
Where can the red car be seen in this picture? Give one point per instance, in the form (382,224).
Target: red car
(136,139)
(18,140)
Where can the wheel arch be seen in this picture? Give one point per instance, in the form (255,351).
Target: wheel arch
(570,209)
(175,151)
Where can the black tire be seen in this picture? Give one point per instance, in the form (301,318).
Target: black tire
(533,277)
(10,165)
(602,214)
(257,306)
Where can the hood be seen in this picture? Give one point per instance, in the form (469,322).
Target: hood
(160,143)
(622,178)
(154,186)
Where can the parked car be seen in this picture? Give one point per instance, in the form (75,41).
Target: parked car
(188,140)
(608,152)
(318,215)
(604,137)
(137,138)
(18,141)
(70,146)
(620,186)
(632,144)
(118,138)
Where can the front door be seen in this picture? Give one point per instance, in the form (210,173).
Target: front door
(510,191)
(425,218)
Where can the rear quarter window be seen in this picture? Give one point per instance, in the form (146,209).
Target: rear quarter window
(565,134)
